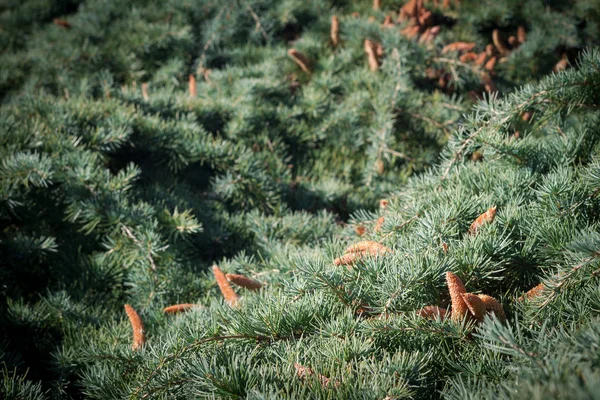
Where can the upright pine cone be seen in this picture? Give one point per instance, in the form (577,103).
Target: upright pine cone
(139,335)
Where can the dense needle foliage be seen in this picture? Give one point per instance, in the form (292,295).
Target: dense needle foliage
(143,142)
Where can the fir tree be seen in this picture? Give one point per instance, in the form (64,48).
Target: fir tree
(146,142)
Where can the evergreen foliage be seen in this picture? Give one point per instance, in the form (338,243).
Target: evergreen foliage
(144,142)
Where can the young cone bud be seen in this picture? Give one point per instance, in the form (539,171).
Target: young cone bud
(379,224)
(368,246)
(562,64)
(480,60)
(426,18)
(360,230)
(488,83)
(492,305)
(370,49)
(177,308)
(485,218)
(62,23)
(468,57)
(192,86)
(458,46)
(299,59)
(411,31)
(243,281)
(410,9)
(475,305)
(490,64)
(521,34)
(335,31)
(432,312)
(387,22)
(347,259)
(376,4)
(139,336)
(230,297)
(534,292)
(456,289)
(445,247)
(145,91)
(303,372)
(499,43)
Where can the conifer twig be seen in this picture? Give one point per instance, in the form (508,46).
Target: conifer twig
(257,20)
